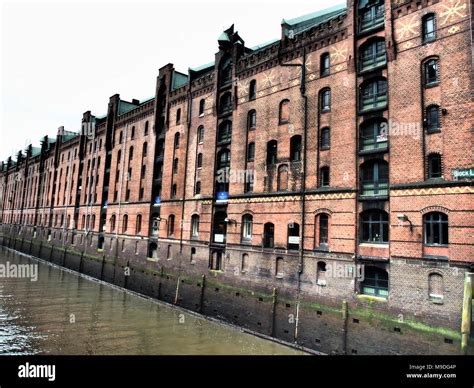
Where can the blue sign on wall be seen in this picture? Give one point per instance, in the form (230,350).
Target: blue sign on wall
(157,200)
(222,195)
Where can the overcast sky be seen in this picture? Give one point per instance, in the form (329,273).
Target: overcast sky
(60,59)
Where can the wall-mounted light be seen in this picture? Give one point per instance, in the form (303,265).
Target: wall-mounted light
(230,221)
(404,218)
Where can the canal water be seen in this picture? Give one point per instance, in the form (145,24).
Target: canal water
(63,313)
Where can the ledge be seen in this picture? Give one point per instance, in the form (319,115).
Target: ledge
(371,298)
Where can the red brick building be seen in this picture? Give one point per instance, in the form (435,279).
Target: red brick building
(343,147)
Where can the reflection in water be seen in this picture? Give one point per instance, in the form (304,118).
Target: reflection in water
(63,313)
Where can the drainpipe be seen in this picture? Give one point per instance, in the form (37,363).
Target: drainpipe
(466,312)
(303,182)
(117,223)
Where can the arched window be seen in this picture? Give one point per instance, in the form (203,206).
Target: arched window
(197,189)
(174,191)
(178,116)
(153,250)
(435,286)
(88,221)
(202,104)
(112,223)
(322,230)
(372,55)
(370,14)
(431,72)
(325,138)
(293,236)
(92,222)
(132,135)
(325,100)
(433,122)
(268,235)
(429,27)
(272,152)
(374,227)
(250,152)
(220,227)
(253,90)
(321,273)
(155,224)
(145,149)
(324,176)
(194,226)
(146,128)
(435,229)
(199,161)
(245,263)
(282,178)
(435,167)
(279,268)
(171,225)
(176,140)
(295,148)
(374,178)
(138,225)
(200,134)
(225,105)
(375,282)
(247,226)
(325,65)
(125,223)
(373,135)
(226,71)
(373,95)
(252,120)
(223,159)
(284,112)
(225,132)
(193,255)
(130,153)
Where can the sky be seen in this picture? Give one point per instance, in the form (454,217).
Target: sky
(60,59)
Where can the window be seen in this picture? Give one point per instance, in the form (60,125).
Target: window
(253,90)
(374,178)
(92,223)
(226,71)
(375,282)
(293,236)
(120,137)
(374,227)
(119,156)
(325,138)
(216,261)
(130,154)
(268,235)
(132,135)
(199,160)
(284,115)
(432,118)
(372,55)
(220,227)
(373,135)
(325,97)
(194,226)
(223,159)
(145,149)
(371,14)
(272,150)
(429,28)
(247,225)
(321,273)
(323,230)
(431,72)
(146,128)
(282,183)
(373,95)
(435,286)
(435,229)
(435,168)
(174,190)
(225,105)
(155,224)
(200,134)
(249,181)
(125,223)
(225,132)
(202,104)
(250,152)
(295,148)
(171,225)
(279,268)
(197,189)
(252,120)
(324,176)
(325,65)
(175,166)
(193,255)
(176,140)
(138,225)
(178,116)
(245,263)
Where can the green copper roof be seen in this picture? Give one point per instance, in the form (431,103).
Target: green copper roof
(302,23)
(179,80)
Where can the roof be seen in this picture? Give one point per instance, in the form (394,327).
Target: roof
(179,79)
(313,19)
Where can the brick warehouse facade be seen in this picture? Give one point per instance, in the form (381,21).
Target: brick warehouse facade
(257,187)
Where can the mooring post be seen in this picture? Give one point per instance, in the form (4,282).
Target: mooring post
(466,313)
(274,299)
(345,316)
(201,299)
